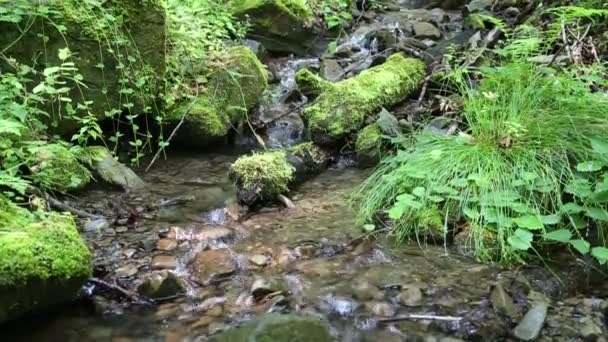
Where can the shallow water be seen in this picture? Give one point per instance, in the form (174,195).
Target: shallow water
(312,256)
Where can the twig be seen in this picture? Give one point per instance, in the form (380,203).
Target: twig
(425,86)
(284,114)
(132,296)
(181,122)
(416,317)
(57,204)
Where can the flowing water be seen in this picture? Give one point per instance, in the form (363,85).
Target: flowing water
(311,260)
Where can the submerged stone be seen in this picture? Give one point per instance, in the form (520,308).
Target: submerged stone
(280,25)
(530,326)
(278,328)
(43,260)
(232,90)
(213,265)
(161,285)
(341,108)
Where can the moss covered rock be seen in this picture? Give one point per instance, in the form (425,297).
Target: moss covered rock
(278,328)
(43,260)
(60,168)
(138,32)
(342,107)
(263,176)
(232,89)
(369,145)
(310,84)
(280,25)
(114,172)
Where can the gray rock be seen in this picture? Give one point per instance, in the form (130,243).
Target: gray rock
(426,30)
(479,5)
(363,290)
(388,123)
(590,330)
(96,226)
(339,305)
(530,326)
(381,309)
(411,296)
(161,262)
(160,285)
(113,172)
(331,70)
(126,271)
(502,301)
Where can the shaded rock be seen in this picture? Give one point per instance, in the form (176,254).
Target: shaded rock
(368,146)
(161,285)
(126,271)
(589,330)
(160,262)
(411,296)
(342,107)
(273,327)
(331,70)
(43,261)
(213,265)
(96,226)
(363,290)
(286,131)
(530,326)
(502,301)
(113,172)
(426,30)
(263,286)
(280,25)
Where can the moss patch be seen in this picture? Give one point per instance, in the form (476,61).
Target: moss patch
(265,174)
(310,84)
(58,168)
(233,88)
(39,247)
(368,145)
(342,107)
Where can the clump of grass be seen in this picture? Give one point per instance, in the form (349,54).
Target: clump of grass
(502,179)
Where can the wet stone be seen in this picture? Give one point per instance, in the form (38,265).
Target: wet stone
(339,305)
(129,252)
(160,285)
(363,290)
(426,30)
(259,260)
(166,245)
(126,271)
(160,262)
(411,296)
(97,225)
(530,326)
(213,265)
(502,301)
(121,229)
(381,309)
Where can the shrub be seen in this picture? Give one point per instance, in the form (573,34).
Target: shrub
(528,167)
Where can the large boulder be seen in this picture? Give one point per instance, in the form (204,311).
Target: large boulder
(133,49)
(341,108)
(280,25)
(43,260)
(232,89)
(277,328)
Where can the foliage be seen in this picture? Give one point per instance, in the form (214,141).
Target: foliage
(336,13)
(269,172)
(510,178)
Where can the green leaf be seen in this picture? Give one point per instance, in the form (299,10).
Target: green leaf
(531,222)
(561,235)
(521,208)
(521,239)
(572,208)
(419,191)
(581,246)
(599,145)
(396,212)
(551,219)
(589,166)
(64,54)
(597,214)
(600,253)
(369,228)
(472,214)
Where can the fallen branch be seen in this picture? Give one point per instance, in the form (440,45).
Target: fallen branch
(57,204)
(416,317)
(135,298)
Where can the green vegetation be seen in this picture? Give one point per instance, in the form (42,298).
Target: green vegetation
(266,174)
(342,107)
(525,172)
(368,145)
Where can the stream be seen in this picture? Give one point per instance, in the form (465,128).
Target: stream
(227,267)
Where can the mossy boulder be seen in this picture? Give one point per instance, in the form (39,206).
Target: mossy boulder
(310,84)
(278,328)
(59,167)
(233,87)
(132,49)
(263,176)
(369,145)
(43,260)
(112,171)
(280,25)
(342,107)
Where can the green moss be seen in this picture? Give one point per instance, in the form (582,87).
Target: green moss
(342,108)
(268,174)
(369,138)
(39,247)
(310,84)
(297,9)
(233,88)
(59,168)
(430,220)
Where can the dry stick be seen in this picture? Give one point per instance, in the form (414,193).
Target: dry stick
(132,296)
(416,317)
(57,204)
